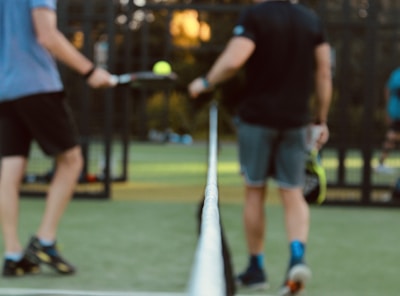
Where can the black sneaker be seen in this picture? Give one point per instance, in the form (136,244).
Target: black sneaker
(295,281)
(48,255)
(253,278)
(19,268)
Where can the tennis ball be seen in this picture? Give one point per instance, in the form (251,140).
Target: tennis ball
(162,68)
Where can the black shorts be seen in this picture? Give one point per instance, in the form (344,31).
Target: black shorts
(45,118)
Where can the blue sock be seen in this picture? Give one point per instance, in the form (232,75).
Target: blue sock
(297,250)
(49,243)
(257,261)
(14,256)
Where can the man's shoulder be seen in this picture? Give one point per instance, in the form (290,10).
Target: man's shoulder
(304,10)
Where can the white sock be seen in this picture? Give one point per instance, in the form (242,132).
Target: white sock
(46,243)
(14,256)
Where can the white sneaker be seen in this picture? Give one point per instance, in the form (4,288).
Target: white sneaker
(296,280)
(382,169)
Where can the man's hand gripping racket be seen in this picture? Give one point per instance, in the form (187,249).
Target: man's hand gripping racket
(315,183)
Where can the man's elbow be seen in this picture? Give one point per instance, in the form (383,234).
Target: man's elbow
(326,75)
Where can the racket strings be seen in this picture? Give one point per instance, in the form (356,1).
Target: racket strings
(310,184)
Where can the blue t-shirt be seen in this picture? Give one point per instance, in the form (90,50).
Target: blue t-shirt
(393,86)
(26,68)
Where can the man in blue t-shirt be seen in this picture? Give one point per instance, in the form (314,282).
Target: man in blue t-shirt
(33,107)
(392,138)
(285,54)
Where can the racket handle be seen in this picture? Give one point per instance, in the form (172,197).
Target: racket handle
(315,132)
(114,80)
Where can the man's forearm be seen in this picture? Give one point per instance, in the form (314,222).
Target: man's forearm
(323,94)
(236,53)
(222,70)
(67,54)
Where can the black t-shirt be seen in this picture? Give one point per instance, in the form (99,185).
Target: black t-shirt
(279,74)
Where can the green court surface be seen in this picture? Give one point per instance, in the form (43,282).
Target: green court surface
(50,292)
(142,241)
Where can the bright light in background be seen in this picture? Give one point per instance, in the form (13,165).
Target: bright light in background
(185,26)
(140,16)
(187,30)
(139,2)
(363,9)
(78,39)
(121,19)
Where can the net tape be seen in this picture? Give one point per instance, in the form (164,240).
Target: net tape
(207,277)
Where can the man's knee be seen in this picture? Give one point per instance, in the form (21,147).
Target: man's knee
(12,169)
(291,195)
(71,158)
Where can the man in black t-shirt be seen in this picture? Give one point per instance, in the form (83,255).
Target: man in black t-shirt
(286,57)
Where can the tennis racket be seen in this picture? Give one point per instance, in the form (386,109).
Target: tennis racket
(315,179)
(149,76)
(315,185)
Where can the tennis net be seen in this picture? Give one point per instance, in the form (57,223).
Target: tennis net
(207,277)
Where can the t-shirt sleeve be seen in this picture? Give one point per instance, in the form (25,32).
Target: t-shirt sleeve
(321,36)
(245,26)
(51,4)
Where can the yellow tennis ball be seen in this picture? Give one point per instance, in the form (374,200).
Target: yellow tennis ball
(162,68)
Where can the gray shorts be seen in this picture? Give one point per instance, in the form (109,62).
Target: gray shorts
(266,152)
